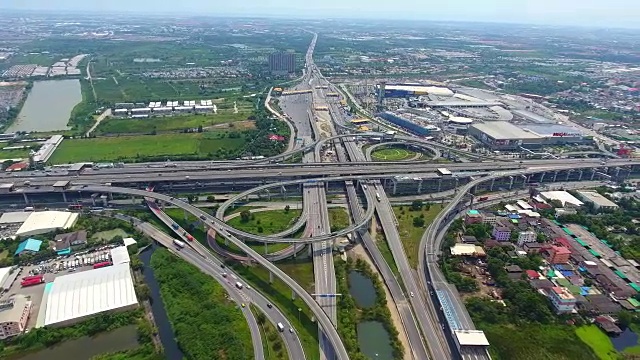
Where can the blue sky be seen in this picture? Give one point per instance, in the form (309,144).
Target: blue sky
(607,13)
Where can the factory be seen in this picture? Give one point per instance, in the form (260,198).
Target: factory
(415,124)
(503,135)
(156,108)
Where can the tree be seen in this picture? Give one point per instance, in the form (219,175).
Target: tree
(287,208)
(211,198)
(199,128)
(261,318)
(143,292)
(245,216)
(418,221)
(416,205)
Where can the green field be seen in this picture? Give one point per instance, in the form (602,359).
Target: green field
(338,219)
(598,341)
(14,154)
(410,234)
(108,235)
(392,154)
(170,123)
(145,147)
(271,222)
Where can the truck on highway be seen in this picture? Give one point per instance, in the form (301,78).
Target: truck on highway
(483,198)
(190,238)
(239,285)
(378,196)
(280,327)
(178,243)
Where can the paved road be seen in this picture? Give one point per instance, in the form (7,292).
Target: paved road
(225,276)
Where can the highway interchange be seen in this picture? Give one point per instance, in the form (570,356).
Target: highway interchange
(416,306)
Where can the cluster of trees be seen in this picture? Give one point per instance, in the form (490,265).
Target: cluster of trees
(206,323)
(349,314)
(39,338)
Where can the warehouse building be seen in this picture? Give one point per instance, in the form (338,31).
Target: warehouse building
(415,124)
(599,202)
(407,90)
(42,222)
(75,297)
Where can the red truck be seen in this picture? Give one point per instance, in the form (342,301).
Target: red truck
(32,281)
(189,237)
(483,198)
(102,264)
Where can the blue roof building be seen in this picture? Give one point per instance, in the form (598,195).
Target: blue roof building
(30,245)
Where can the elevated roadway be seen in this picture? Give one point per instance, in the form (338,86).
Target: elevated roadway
(322,318)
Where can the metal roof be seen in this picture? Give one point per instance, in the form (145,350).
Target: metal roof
(90,292)
(503,130)
(29,244)
(120,255)
(471,337)
(45,221)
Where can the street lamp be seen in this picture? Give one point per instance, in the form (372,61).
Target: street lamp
(299,311)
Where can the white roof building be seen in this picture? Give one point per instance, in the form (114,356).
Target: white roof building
(76,296)
(598,201)
(120,255)
(129,241)
(564,197)
(42,222)
(15,217)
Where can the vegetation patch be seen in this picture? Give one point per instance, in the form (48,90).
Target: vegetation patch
(274,347)
(392,154)
(207,324)
(598,341)
(338,219)
(412,223)
(265,222)
(350,315)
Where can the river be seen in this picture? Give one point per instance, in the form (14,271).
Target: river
(84,348)
(167,337)
(48,106)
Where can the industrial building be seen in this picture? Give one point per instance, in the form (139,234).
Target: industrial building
(74,297)
(282,63)
(47,149)
(567,200)
(42,222)
(14,314)
(415,124)
(598,201)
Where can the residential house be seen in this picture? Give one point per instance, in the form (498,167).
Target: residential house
(532,248)
(527,237)
(514,272)
(558,254)
(562,300)
(501,233)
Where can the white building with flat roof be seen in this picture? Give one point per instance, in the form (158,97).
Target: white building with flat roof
(77,296)
(42,222)
(14,314)
(563,197)
(598,201)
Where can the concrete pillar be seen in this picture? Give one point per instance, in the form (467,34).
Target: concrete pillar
(26,200)
(510,182)
(568,174)
(493,181)
(295,250)
(580,176)
(420,186)
(110,196)
(270,277)
(542,177)
(93,201)
(64,196)
(617,172)
(293,295)
(266,248)
(395,187)
(593,174)
(555,175)
(439,184)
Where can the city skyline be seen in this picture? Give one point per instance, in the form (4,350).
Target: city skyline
(595,13)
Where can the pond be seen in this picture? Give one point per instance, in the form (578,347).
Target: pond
(374,340)
(165,331)
(84,348)
(48,106)
(362,289)
(627,339)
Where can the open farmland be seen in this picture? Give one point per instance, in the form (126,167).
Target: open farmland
(147,147)
(170,123)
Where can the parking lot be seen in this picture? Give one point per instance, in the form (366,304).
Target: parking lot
(62,265)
